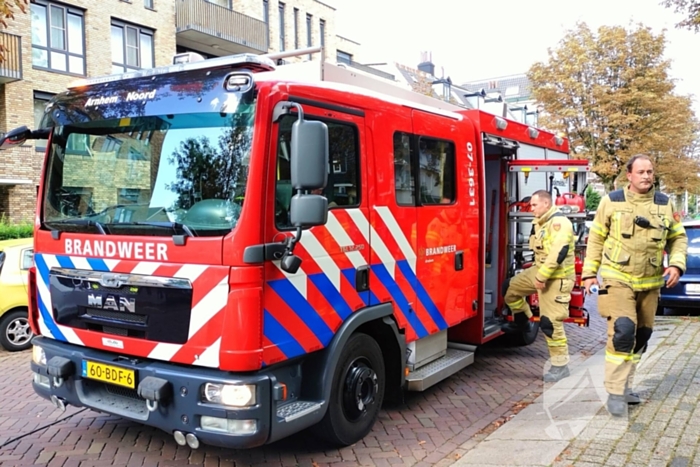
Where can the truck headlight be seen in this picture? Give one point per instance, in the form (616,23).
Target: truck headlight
(38,355)
(234,395)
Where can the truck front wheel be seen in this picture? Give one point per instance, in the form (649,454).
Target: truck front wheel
(357,392)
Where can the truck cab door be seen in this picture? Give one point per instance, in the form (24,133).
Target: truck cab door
(393,219)
(302,311)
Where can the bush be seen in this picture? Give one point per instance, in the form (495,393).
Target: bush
(592,199)
(9,230)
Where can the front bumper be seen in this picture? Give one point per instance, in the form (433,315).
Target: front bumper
(182,411)
(679,301)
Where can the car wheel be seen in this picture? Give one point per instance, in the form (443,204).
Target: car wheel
(15,333)
(357,392)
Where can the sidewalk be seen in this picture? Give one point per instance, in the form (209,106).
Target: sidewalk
(568,424)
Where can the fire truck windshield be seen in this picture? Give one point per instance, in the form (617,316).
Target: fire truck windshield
(139,176)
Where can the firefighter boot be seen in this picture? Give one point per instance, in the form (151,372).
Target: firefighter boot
(617,404)
(520,323)
(632,398)
(556,373)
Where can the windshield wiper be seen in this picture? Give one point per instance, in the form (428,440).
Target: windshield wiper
(86,222)
(164,224)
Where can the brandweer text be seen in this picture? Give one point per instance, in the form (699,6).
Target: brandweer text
(110,249)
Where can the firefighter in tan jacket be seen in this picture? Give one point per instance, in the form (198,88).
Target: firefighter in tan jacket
(631,229)
(552,277)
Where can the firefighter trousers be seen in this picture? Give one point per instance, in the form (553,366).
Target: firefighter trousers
(554,309)
(630,318)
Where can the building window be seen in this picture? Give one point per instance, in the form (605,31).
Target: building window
(149,4)
(58,37)
(40,101)
(309,40)
(281,9)
(343,57)
(296,28)
(132,47)
(322,32)
(266,11)
(343,188)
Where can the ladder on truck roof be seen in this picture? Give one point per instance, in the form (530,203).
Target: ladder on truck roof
(321,70)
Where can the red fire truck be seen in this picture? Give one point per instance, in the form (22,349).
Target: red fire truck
(234,251)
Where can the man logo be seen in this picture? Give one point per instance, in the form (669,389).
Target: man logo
(112,302)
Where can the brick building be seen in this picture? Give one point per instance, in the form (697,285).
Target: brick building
(57,42)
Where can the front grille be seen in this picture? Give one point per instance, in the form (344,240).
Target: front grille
(162,305)
(115,315)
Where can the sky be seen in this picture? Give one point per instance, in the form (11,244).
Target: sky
(473,40)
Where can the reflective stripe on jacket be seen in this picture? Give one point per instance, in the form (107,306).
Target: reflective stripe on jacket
(552,240)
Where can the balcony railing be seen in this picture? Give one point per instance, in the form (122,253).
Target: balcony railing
(11,65)
(211,28)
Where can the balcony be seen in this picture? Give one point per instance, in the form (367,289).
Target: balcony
(11,66)
(216,30)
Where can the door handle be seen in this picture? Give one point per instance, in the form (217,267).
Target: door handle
(459,261)
(362,279)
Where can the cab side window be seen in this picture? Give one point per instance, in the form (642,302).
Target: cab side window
(437,171)
(343,188)
(424,170)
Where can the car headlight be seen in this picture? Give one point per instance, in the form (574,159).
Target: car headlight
(234,395)
(38,355)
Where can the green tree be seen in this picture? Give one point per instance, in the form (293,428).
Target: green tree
(208,171)
(609,92)
(592,199)
(8,8)
(690,9)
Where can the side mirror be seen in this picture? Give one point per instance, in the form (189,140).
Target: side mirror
(308,210)
(15,137)
(309,154)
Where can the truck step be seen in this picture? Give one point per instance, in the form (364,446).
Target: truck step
(424,377)
(492,326)
(297,409)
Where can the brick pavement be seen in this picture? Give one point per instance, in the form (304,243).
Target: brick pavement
(665,429)
(429,428)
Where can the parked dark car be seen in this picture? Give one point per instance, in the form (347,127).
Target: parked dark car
(686,294)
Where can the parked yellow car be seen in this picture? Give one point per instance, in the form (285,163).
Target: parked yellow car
(16,257)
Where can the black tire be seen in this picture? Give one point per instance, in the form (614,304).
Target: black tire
(15,333)
(522,339)
(357,393)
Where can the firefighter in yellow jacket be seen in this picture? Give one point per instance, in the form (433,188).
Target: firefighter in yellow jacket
(552,277)
(626,243)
